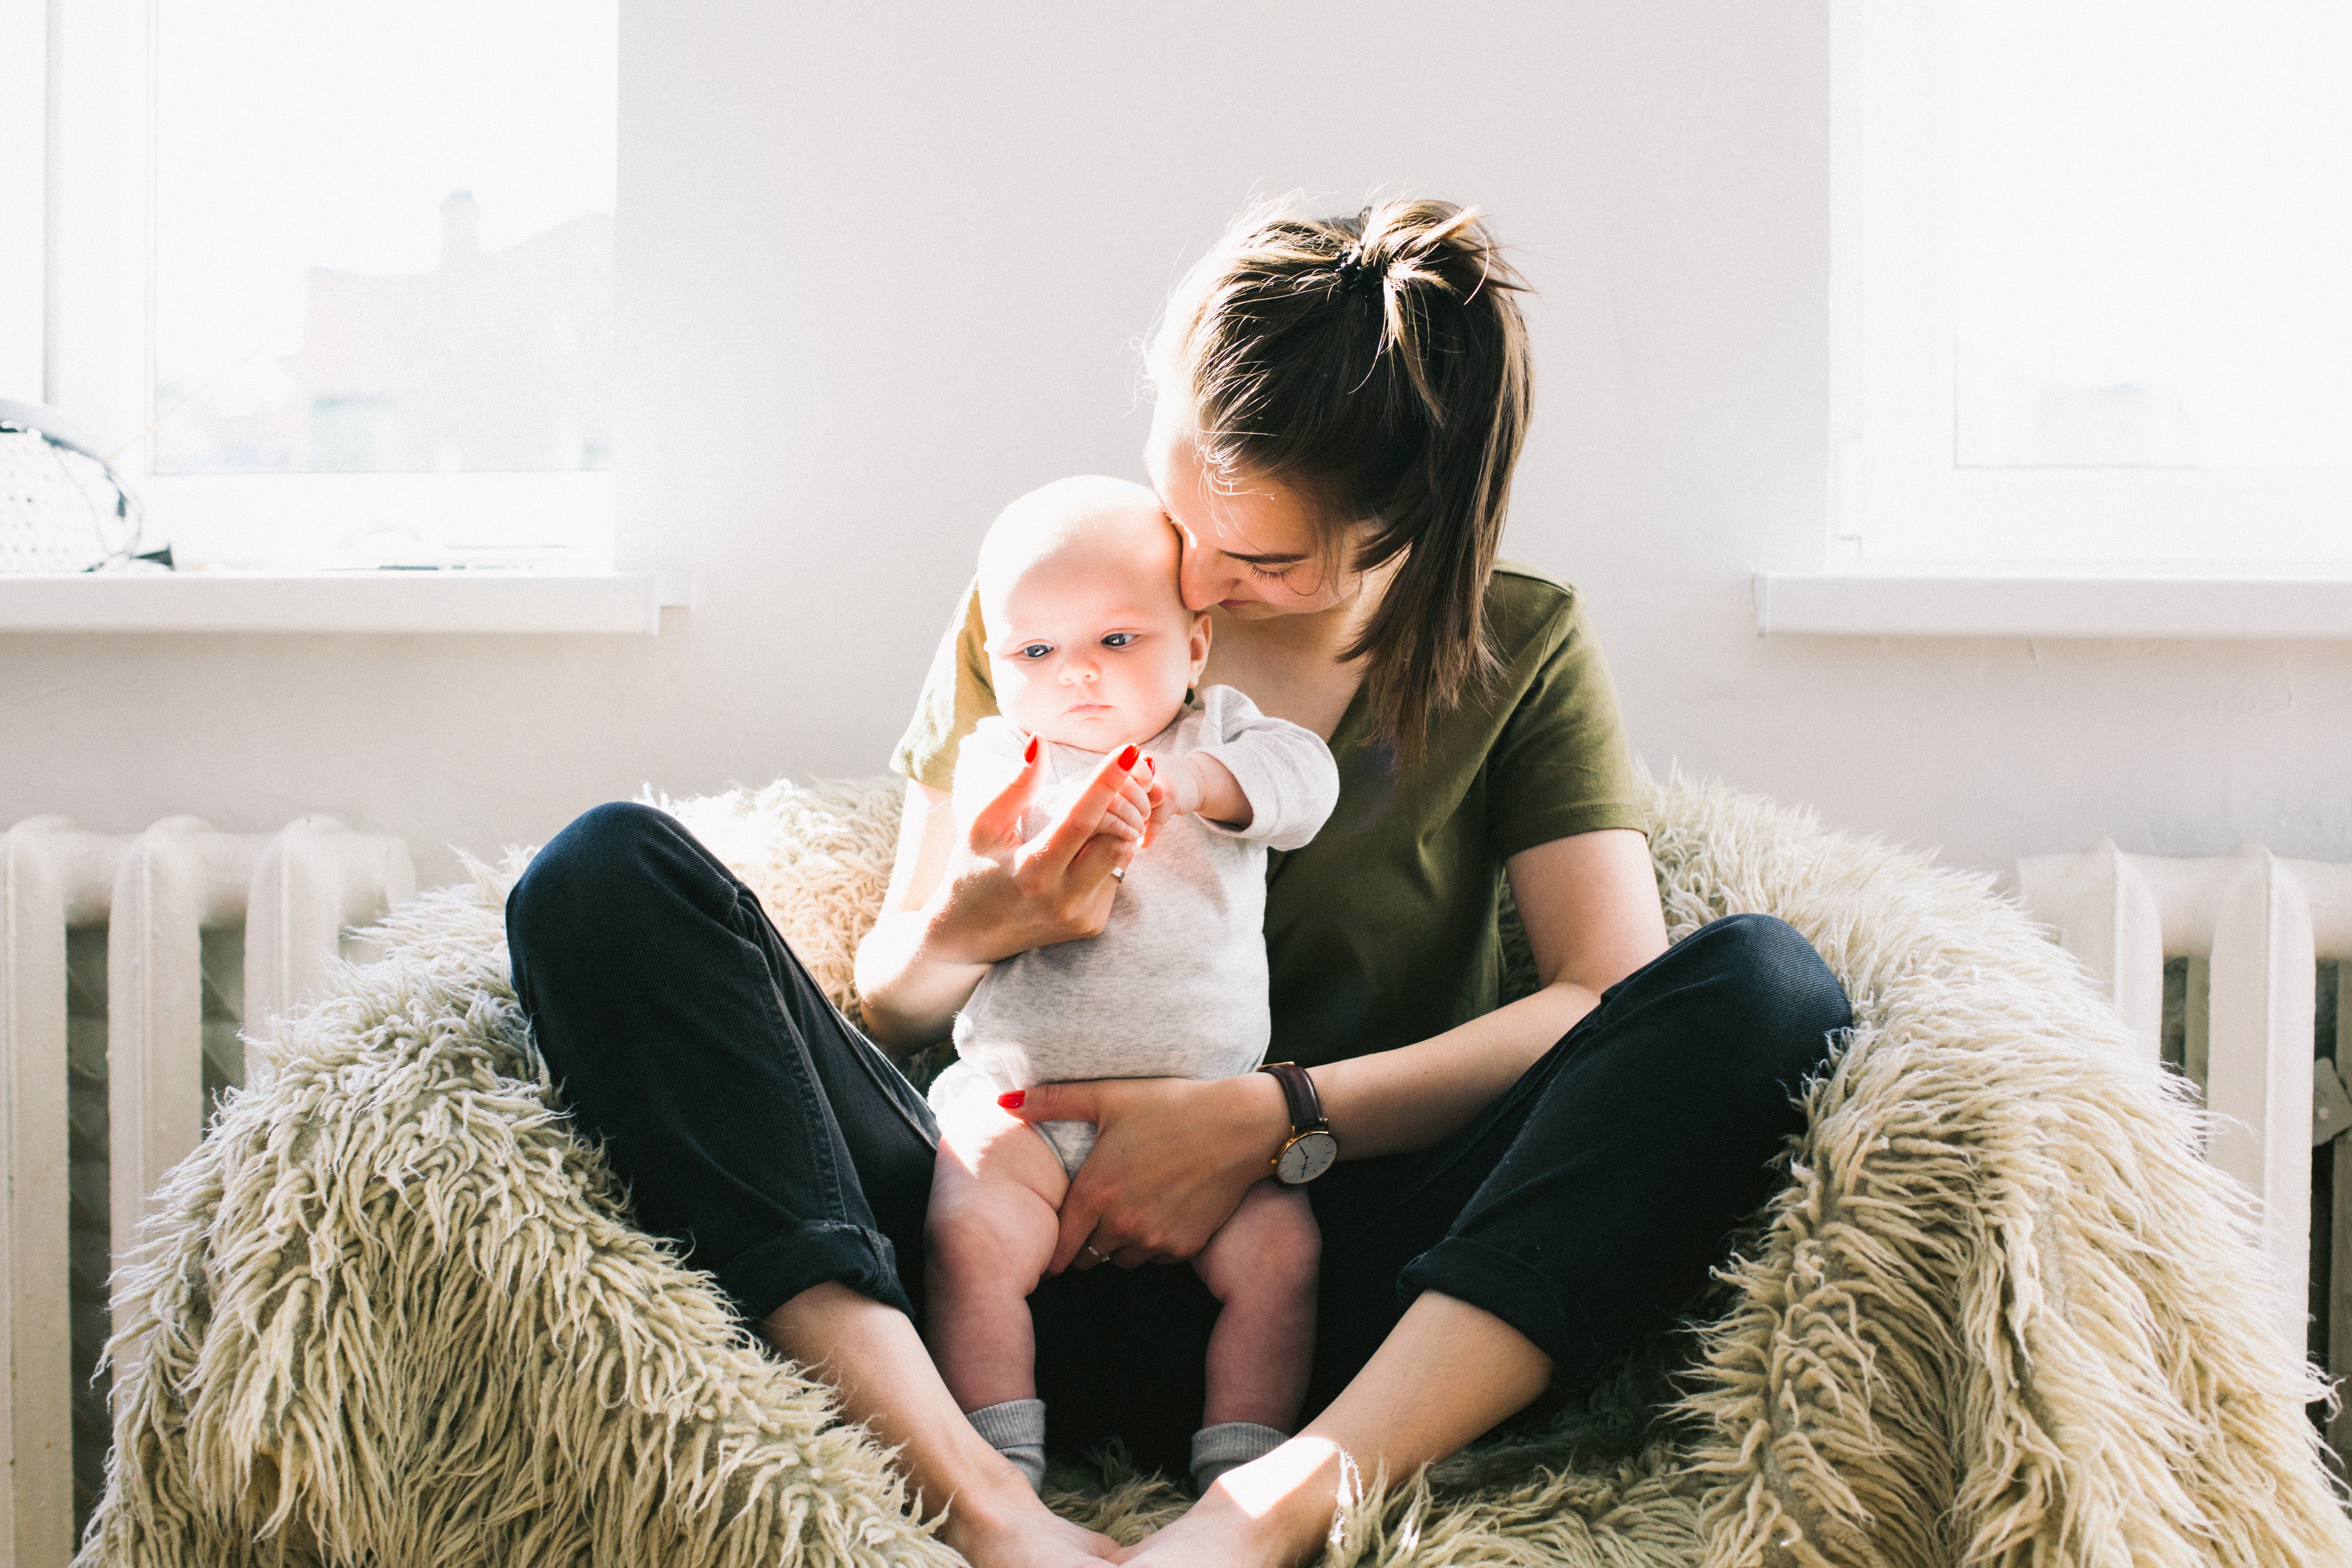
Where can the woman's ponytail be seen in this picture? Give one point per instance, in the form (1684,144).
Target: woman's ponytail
(1380,364)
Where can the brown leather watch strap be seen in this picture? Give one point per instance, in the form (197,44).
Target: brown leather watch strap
(1298,1089)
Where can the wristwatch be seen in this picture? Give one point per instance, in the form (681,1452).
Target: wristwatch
(1311,1148)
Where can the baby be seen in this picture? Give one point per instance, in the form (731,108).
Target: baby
(1091,650)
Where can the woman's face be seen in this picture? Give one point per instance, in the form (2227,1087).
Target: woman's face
(1250,548)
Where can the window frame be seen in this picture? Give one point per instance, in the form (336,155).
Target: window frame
(91,303)
(1897,500)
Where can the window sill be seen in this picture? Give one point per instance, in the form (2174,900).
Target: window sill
(2022,605)
(370,601)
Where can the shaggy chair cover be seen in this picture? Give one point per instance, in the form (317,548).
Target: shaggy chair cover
(393,1311)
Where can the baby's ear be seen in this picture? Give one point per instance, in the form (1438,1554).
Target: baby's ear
(1201,632)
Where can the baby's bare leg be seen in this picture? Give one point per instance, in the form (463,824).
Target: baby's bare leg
(996,1197)
(1260,1265)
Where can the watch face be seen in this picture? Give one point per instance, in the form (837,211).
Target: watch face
(1309,1156)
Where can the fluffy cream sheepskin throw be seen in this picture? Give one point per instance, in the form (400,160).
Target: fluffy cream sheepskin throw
(393,1312)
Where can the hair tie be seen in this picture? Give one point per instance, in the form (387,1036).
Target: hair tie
(1355,270)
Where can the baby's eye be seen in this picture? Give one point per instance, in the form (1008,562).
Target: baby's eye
(1036,649)
(1118,639)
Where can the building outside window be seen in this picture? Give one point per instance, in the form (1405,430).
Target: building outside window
(337,283)
(2088,284)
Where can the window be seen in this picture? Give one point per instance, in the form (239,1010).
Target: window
(339,281)
(2089,285)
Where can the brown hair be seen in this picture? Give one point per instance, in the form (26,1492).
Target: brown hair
(1380,364)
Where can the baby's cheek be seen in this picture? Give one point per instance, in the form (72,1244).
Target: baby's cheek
(1017,693)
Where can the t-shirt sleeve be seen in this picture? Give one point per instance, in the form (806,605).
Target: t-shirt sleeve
(1560,765)
(956,695)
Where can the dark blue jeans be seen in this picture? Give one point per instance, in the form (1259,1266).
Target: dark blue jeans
(1584,1206)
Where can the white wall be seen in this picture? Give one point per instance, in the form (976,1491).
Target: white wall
(883,268)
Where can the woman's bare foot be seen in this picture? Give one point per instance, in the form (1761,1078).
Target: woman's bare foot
(1269,1513)
(874,1359)
(1011,1529)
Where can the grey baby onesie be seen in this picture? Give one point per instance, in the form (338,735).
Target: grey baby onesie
(1175,985)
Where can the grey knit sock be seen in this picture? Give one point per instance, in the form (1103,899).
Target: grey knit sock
(1216,1449)
(1016,1429)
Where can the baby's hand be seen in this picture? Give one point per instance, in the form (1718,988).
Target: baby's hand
(1174,791)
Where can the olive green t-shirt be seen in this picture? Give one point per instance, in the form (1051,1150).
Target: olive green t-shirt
(1382,930)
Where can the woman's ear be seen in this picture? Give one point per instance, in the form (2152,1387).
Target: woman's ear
(1199,646)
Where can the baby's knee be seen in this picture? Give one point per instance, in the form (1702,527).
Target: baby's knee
(958,1249)
(1295,1251)
(976,1233)
(1271,1247)
(1287,1215)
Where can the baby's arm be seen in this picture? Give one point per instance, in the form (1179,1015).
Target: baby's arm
(1266,779)
(1198,783)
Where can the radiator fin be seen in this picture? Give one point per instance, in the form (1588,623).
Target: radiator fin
(89,1225)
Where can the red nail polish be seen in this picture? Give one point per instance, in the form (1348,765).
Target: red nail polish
(1127,758)
(1011,1098)
(1030,755)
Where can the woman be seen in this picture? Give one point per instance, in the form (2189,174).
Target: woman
(1522,1191)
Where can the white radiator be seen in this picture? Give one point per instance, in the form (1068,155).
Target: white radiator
(2253,929)
(127,963)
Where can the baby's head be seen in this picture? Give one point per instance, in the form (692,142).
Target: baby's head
(1089,643)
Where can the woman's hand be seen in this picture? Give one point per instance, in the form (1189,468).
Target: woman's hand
(1171,1159)
(961,898)
(1003,896)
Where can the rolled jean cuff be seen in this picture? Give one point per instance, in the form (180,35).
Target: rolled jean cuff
(1530,1302)
(762,1279)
